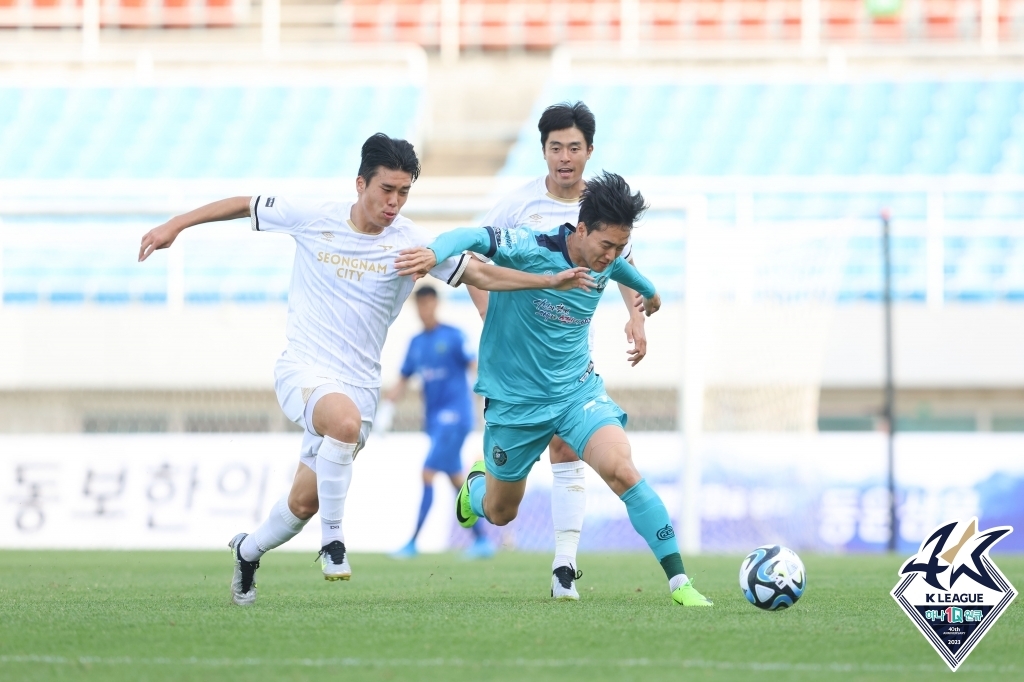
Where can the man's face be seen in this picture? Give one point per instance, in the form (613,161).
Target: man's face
(566,153)
(426,306)
(602,246)
(384,196)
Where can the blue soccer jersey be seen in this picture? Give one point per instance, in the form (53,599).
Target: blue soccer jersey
(440,357)
(534,344)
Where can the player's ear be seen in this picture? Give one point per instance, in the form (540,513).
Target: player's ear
(590,150)
(581,228)
(360,184)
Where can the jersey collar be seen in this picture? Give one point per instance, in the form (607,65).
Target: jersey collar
(563,232)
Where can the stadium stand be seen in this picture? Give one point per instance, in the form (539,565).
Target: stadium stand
(542,24)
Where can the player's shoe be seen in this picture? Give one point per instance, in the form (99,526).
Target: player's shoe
(482,548)
(243,580)
(334,561)
(407,552)
(563,583)
(463,509)
(688,596)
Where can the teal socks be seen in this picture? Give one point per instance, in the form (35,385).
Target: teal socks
(477,489)
(650,519)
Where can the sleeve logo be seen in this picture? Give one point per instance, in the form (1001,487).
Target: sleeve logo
(270,202)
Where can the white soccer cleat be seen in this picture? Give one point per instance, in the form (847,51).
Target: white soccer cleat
(563,583)
(334,561)
(243,580)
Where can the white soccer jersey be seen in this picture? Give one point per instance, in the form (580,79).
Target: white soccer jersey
(533,206)
(344,292)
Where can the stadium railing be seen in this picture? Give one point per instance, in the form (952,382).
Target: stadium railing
(538,24)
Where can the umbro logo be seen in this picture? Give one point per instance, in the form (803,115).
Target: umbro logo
(536,218)
(327,236)
(385,247)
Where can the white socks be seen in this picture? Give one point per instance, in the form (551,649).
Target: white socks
(677,581)
(280,527)
(333,477)
(568,506)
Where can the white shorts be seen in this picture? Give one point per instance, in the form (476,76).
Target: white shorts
(299,386)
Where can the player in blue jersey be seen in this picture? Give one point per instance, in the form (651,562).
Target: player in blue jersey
(440,356)
(536,373)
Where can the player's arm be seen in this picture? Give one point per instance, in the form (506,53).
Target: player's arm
(497,278)
(164,235)
(636,332)
(624,273)
(480,300)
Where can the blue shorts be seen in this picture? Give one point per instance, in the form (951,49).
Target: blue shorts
(515,435)
(446,448)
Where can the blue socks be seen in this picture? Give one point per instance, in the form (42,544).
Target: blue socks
(428,499)
(650,519)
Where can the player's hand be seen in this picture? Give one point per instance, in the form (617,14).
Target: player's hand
(576,278)
(636,334)
(415,262)
(158,238)
(650,305)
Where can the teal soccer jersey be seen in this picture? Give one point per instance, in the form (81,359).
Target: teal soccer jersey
(534,344)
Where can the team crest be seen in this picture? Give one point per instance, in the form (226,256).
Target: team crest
(499,456)
(952,590)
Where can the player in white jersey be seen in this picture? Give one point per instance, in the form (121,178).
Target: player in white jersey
(343,296)
(567,141)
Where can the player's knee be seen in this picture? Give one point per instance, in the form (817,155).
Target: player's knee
(502,514)
(624,474)
(560,452)
(303,505)
(344,427)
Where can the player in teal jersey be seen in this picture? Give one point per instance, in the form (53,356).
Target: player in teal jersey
(536,373)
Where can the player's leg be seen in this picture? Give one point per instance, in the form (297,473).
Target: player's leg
(482,547)
(449,460)
(568,507)
(286,519)
(426,501)
(334,416)
(608,452)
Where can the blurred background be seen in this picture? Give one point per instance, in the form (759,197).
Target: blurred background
(770,136)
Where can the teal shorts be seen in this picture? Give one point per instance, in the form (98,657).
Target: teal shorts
(515,436)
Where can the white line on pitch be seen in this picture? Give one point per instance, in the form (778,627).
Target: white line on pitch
(508,663)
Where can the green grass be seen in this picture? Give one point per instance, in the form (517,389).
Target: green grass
(167,616)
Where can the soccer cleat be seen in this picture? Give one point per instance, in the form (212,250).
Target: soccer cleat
(463,509)
(334,561)
(482,548)
(243,580)
(563,583)
(688,596)
(407,552)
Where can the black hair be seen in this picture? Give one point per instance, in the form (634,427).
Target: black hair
(607,200)
(567,115)
(426,290)
(379,150)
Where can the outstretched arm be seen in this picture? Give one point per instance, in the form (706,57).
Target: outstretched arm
(496,278)
(624,273)
(636,334)
(164,235)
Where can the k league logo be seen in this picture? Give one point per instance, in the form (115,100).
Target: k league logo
(952,590)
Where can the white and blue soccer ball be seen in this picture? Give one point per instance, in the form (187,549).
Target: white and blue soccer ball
(772,577)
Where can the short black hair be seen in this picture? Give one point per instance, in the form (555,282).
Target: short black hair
(567,115)
(426,290)
(379,150)
(607,200)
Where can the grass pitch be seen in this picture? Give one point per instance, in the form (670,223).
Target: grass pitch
(167,616)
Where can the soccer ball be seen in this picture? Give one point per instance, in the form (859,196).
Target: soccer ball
(772,577)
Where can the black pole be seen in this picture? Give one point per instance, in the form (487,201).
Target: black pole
(890,391)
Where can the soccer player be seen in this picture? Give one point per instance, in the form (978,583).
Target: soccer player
(567,141)
(440,356)
(344,294)
(536,374)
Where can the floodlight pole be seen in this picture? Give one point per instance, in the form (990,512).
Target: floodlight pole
(890,391)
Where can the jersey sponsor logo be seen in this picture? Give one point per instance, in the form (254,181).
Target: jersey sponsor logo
(953,566)
(270,202)
(326,236)
(557,313)
(351,267)
(499,456)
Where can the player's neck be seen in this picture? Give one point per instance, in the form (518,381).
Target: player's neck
(360,222)
(431,326)
(573,248)
(570,193)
